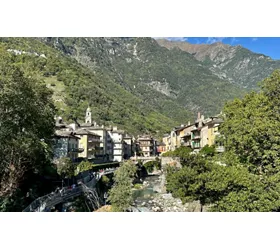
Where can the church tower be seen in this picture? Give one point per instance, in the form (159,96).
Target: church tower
(88,116)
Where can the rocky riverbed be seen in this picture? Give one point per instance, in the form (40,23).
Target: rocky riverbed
(153,198)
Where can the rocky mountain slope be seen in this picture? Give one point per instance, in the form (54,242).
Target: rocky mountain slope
(169,80)
(232,63)
(75,87)
(131,82)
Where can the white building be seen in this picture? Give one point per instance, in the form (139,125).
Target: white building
(117,142)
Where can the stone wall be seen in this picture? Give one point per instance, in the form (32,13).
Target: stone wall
(173,161)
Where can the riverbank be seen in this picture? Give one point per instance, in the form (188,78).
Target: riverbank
(153,197)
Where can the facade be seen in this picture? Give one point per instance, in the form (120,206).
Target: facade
(117,142)
(173,140)
(146,145)
(128,147)
(161,148)
(167,141)
(213,133)
(197,135)
(66,144)
(90,142)
(185,135)
(92,127)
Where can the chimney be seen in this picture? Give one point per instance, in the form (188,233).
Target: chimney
(202,117)
(189,123)
(115,128)
(198,115)
(182,125)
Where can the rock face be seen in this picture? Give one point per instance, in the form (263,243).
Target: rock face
(171,81)
(233,63)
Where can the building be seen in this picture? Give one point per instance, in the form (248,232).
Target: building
(213,133)
(104,152)
(117,142)
(167,141)
(90,142)
(66,144)
(185,135)
(146,145)
(196,135)
(161,148)
(128,147)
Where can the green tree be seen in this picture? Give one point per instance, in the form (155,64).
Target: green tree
(181,152)
(120,195)
(208,150)
(83,166)
(26,128)
(152,165)
(247,176)
(65,167)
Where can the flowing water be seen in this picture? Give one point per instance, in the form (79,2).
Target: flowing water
(143,196)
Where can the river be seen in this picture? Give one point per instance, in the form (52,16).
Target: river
(153,198)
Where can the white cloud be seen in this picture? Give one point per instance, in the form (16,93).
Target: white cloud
(254,39)
(211,40)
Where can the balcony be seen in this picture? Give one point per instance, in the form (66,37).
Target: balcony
(94,140)
(76,150)
(196,137)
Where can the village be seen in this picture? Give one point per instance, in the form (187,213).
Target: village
(99,144)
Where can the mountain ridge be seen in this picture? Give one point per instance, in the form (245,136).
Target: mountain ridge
(140,65)
(235,64)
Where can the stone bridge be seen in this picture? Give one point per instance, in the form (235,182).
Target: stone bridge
(145,159)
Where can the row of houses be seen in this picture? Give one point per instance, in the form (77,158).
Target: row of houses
(91,141)
(204,131)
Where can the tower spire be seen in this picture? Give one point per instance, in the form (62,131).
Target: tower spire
(88,116)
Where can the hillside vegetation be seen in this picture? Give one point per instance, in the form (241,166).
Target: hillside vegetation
(166,79)
(75,87)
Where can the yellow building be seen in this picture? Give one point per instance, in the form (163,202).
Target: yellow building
(213,131)
(167,141)
(90,142)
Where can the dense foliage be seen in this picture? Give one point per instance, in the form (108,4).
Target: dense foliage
(152,165)
(26,129)
(120,196)
(65,167)
(168,80)
(247,176)
(208,150)
(181,152)
(83,166)
(76,86)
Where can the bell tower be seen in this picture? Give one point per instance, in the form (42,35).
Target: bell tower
(88,116)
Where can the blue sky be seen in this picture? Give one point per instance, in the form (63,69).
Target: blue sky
(269,46)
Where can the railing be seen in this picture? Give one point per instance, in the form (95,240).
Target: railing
(76,150)
(44,203)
